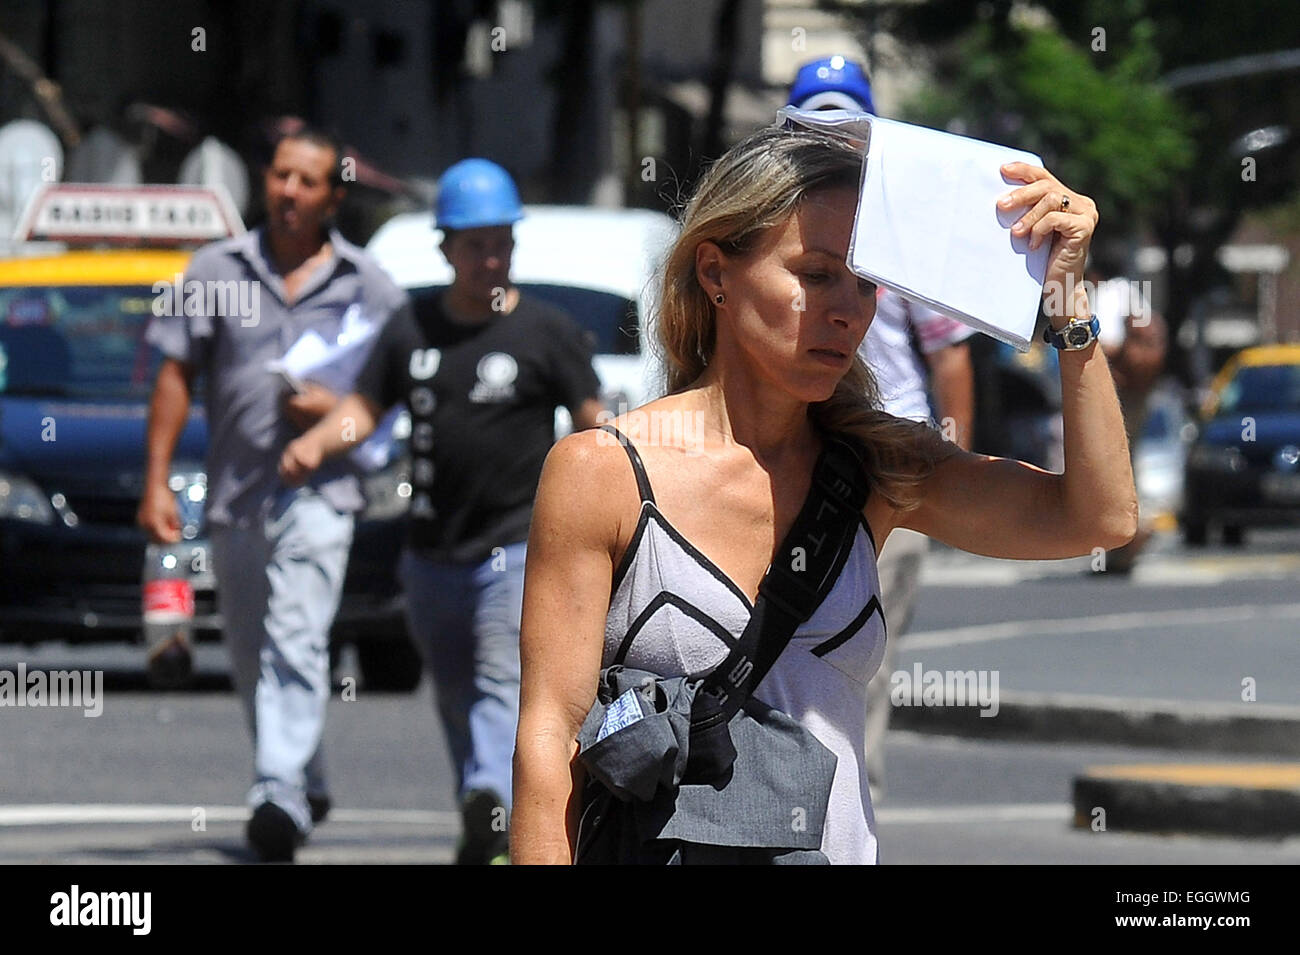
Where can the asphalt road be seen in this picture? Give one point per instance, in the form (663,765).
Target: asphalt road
(1189,625)
(159,777)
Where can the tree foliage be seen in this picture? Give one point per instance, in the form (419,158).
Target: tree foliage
(1101,123)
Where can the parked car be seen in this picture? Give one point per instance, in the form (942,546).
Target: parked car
(75,381)
(597,264)
(1244,468)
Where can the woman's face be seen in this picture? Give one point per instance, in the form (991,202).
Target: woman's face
(792,306)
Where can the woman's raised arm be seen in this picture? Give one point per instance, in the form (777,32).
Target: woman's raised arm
(566,599)
(1007,508)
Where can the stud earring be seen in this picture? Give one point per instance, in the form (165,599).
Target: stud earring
(719,298)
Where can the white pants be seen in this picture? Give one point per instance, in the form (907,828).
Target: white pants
(278,587)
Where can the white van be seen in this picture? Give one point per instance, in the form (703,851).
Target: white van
(599,265)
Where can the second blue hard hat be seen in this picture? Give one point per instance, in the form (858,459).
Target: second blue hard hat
(475,193)
(832,83)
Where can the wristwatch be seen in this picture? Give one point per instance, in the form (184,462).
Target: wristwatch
(1075,335)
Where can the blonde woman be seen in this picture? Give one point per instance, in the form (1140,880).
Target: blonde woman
(760,321)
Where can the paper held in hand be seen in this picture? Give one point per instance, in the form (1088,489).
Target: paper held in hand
(335,365)
(928,227)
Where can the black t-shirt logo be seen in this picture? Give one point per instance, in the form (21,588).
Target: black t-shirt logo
(424,363)
(496,378)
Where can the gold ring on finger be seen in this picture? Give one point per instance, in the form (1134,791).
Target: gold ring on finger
(1065,203)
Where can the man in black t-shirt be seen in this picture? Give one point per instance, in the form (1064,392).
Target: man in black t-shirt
(481,369)
(482,399)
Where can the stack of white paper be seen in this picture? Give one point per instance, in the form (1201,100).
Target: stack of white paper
(335,366)
(928,227)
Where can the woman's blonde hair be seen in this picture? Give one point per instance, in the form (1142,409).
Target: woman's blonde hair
(755,186)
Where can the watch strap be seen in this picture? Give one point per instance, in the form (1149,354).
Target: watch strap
(1059,339)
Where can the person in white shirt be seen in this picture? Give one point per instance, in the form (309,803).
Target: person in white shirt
(900,335)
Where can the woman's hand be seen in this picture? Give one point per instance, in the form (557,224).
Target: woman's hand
(1011,509)
(1062,216)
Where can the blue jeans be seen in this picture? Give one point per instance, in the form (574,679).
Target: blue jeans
(464,618)
(279,586)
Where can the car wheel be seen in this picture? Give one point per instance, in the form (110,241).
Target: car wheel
(1195,533)
(389,664)
(1233,535)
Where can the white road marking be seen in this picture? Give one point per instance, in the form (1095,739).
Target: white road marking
(958,815)
(56,814)
(955,569)
(1142,619)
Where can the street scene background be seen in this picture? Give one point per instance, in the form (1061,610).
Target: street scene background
(1161,687)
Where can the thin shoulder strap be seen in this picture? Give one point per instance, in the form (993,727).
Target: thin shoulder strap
(642,481)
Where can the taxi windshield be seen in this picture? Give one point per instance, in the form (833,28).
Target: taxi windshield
(76,341)
(1262,388)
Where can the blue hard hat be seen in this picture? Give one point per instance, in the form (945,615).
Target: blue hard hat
(475,193)
(832,83)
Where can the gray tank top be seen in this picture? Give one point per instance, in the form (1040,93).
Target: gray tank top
(676,613)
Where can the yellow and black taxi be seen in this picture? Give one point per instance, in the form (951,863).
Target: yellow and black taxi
(76,375)
(1244,468)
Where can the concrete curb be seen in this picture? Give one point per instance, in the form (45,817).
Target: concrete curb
(1061,717)
(1223,803)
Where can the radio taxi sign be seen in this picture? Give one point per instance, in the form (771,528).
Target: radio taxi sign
(138,215)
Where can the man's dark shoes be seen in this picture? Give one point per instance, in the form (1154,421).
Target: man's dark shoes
(483,840)
(319,806)
(273,834)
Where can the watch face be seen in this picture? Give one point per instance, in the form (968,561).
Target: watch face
(1078,336)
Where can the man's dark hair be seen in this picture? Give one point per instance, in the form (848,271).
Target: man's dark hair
(323,139)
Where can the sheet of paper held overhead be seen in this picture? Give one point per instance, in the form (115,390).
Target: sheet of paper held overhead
(928,227)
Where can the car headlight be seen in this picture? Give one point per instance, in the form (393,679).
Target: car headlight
(1209,457)
(22,500)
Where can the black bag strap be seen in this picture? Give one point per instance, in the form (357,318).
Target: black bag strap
(797,581)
